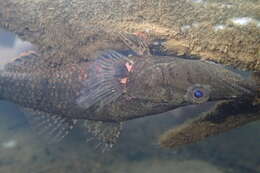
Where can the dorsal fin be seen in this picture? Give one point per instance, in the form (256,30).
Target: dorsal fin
(139,46)
(103,83)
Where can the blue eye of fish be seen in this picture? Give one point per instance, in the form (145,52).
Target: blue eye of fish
(198,93)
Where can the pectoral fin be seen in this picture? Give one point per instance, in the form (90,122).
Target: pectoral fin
(51,127)
(103,84)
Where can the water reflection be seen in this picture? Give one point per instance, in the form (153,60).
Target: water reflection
(11,46)
(7,39)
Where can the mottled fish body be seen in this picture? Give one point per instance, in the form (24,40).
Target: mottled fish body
(114,88)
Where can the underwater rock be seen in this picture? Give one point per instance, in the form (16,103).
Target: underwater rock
(69,29)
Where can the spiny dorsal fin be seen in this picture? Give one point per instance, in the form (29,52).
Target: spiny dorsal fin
(103,83)
(139,46)
(105,133)
(52,127)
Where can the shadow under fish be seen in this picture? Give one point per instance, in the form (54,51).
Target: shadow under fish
(107,91)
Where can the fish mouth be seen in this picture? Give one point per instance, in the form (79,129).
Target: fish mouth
(239,88)
(242,93)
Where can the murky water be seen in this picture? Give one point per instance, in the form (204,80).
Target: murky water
(22,151)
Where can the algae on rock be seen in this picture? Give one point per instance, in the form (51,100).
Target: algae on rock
(65,29)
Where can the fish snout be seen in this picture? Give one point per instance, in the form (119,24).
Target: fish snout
(236,89)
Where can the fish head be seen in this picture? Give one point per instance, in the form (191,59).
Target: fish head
(178,82)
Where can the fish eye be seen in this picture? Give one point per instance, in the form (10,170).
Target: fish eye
(197,94)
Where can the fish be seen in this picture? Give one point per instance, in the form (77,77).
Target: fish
(106,91)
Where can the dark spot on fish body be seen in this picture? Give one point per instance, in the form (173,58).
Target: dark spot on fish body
(121,71)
